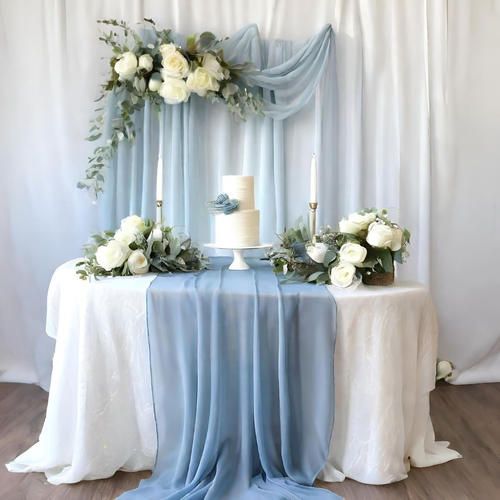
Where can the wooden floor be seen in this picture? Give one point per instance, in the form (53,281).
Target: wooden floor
(468,416)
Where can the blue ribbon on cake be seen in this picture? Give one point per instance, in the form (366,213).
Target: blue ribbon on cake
(223,204)
(243,385)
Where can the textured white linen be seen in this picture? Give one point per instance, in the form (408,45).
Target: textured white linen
(417,90)
(385,359)
(100,414)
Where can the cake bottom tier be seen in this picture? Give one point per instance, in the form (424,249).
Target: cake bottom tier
(239,229)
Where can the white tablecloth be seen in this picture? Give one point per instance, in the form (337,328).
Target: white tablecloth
(100,412)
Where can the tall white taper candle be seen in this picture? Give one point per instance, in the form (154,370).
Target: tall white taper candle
(313,196)
(159,173)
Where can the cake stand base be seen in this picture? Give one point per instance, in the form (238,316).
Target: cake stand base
(239,263)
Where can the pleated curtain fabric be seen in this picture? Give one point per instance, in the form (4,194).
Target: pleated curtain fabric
(203,141)
(414,115)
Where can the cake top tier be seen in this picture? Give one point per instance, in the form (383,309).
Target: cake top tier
(241,188)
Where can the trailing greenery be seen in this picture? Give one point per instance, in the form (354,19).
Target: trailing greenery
(160,71)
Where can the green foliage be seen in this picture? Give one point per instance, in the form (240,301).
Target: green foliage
(171,254)
(291,259)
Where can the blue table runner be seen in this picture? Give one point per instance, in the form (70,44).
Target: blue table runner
(243,388)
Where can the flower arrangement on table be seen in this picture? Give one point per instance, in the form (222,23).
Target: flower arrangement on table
(162,71)
(365,247)
(138,247)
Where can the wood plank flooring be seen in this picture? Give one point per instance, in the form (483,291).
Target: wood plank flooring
(468,416)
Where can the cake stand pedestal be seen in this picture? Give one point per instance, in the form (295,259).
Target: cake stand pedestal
(239,263)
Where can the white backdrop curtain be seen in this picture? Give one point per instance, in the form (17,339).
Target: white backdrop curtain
(417,131)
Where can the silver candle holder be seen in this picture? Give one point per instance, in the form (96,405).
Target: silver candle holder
(159,212)
(313,206)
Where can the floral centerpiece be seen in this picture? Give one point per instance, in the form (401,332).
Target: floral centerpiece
(138,247)
(162,71)
(365,247)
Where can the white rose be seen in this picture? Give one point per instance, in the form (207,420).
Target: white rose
(125,237)
(349,227)
(379,235)
(317,252)
(175,65)
(363,220)
(133,224)
(167,48)
(444,370)
(201,81)
(146,62)
(352,253)
(126,66)
(174,91)
(138,263)
(212,65)
(397,239)
(342,275)
(155,82)
(112,255)
(157,234)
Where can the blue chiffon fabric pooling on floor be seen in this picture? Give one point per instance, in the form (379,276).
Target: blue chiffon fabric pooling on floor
(243,389)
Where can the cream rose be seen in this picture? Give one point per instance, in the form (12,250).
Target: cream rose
(317,252)
(166,49)
(155,82)
(201,81)
(342,275)
(157,234)
(174,91)
(379,235)
(362,220)
(138,262)
(125,237)
(146,62)
(397,239)
(126,66)
(133,224)
(175,65)
(349,227)
(444,370)
(352,253)
(112,255)
(212,65)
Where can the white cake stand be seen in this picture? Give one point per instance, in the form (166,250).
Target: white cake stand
(238,263)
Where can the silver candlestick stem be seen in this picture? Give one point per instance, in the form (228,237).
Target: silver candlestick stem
(159,212)
(312,218)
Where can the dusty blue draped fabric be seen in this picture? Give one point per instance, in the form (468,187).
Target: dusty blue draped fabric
(242,377)
(202,142)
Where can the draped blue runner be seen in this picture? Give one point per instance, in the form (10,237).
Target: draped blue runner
(243,389)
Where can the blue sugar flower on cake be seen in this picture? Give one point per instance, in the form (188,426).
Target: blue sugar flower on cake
(223,204)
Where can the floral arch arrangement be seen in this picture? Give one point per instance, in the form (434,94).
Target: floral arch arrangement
(162,71)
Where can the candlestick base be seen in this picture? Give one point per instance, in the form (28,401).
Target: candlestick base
(313,206)
(159,212)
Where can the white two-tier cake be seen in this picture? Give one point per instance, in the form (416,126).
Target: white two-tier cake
(240,228)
